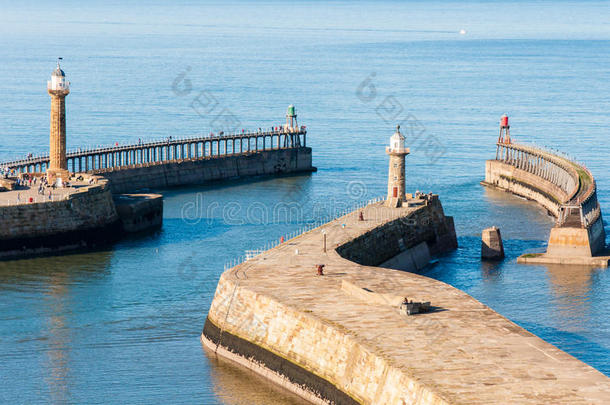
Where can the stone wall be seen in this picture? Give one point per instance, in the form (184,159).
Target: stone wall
(88,216)
(320,361)
(385,242)
(340,337)
(575,242)
(303,350)
(139,212)
(525,184)
(200,171)
(563,241)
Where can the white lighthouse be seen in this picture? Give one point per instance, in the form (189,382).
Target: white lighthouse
(396,174)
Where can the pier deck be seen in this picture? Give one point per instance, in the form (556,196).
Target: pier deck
(461,353)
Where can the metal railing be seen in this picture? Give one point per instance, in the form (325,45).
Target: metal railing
(168,149)
(252,253)
(581,207)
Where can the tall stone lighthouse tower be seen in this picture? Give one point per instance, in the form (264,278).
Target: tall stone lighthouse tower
(396,174)
(58,89)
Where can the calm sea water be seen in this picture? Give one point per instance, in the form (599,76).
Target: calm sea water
(122,325)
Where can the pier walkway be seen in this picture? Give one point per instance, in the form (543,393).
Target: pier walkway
(167,150)
(578,207)
(345,327)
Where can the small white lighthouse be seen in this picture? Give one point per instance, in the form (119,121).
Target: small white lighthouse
(396,173)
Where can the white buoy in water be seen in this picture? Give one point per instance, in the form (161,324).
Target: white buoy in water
(462,32)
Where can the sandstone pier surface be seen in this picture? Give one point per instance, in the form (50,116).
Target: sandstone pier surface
(340,338)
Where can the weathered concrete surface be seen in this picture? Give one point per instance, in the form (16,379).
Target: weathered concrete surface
(541,258)
(461,353)
(139,212)
(413,259)
(491,244)
(160,175)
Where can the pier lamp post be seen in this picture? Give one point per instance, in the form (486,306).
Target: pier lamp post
(291,118)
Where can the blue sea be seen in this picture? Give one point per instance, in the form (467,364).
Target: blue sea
(123,325)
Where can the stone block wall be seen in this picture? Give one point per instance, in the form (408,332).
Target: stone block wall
(525,184)
(203,170)
(88,214)
(340,362)
(563,242)
(383,243)
(303,352)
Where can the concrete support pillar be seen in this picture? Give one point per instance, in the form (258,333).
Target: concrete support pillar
(491,244)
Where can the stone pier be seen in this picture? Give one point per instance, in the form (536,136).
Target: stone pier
(340,338)
(566,189)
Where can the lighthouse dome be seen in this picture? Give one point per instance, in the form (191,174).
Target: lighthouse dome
(58,80)
(58,72)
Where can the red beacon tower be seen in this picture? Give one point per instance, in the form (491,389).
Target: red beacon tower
(504,130)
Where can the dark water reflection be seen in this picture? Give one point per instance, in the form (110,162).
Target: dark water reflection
(235,385)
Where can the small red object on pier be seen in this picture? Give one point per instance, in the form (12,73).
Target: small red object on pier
(504,121)
(504,130)
(320,268)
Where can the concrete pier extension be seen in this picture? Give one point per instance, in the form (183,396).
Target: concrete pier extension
(139,212)
(160,175)
(491,244)
(340,337)
(76,217)
(566,189)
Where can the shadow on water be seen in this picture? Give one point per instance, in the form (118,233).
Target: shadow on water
(236,385)
(55,270)
(248,182)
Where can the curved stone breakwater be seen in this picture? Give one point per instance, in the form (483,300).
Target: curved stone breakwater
(566,189)
(340,338)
